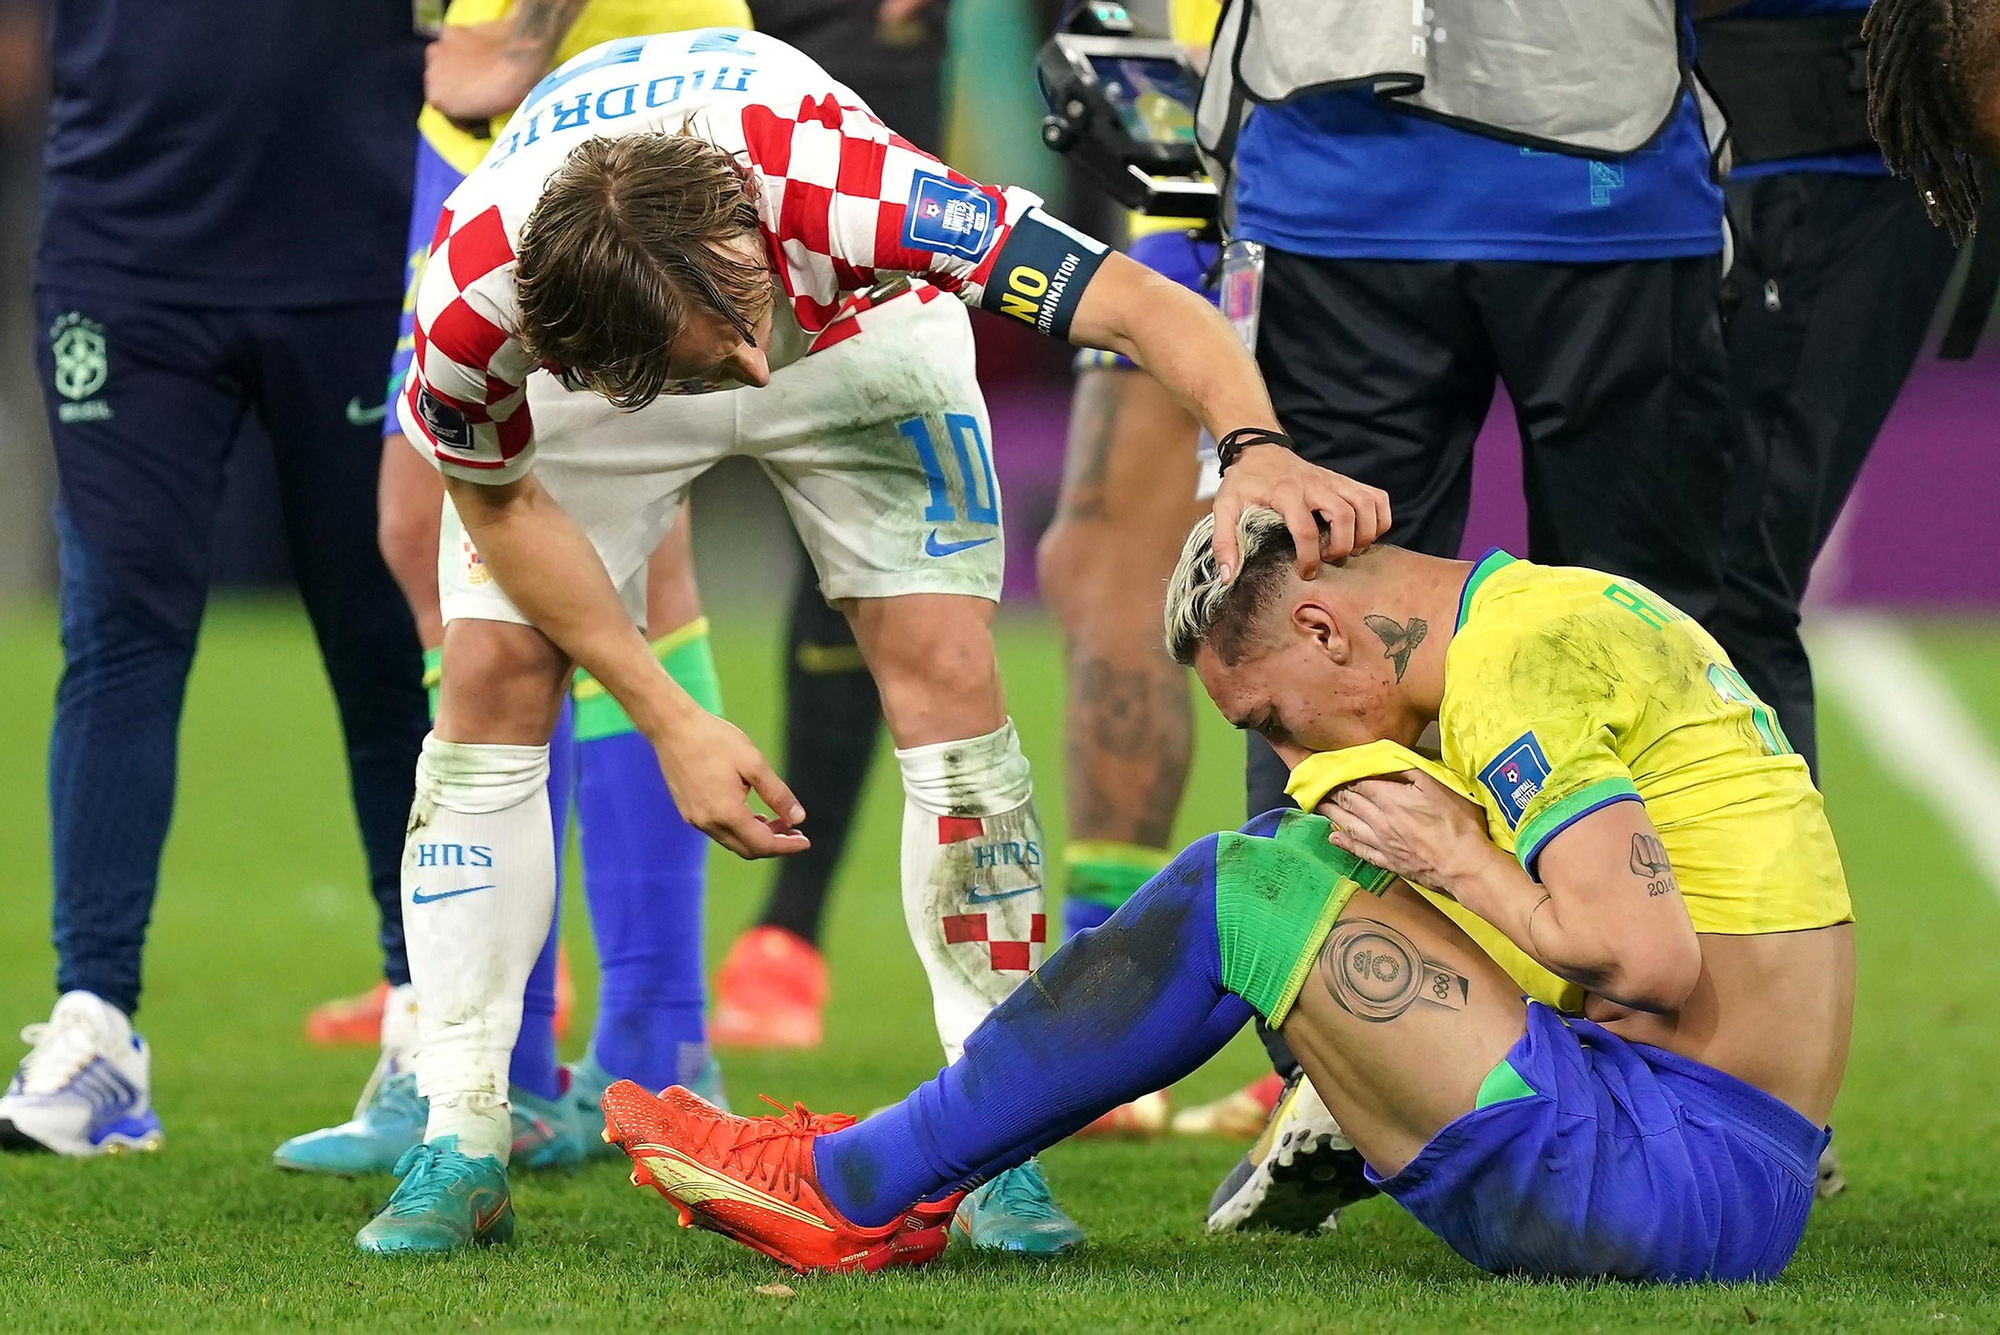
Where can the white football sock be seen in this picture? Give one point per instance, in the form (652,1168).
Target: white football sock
(399,1026)
(972,875)
(479,891)
(399,1042)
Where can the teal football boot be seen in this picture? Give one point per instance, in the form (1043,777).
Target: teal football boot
(587,1083)
(550,1133)
(446,1202)
(389,1122)
(392,1119)
(1015,1213)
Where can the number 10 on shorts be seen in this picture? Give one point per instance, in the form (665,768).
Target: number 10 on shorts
(975,470)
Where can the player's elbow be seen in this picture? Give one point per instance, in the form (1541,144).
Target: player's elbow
(1658,975)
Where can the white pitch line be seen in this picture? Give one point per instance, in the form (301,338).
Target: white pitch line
(1915,723)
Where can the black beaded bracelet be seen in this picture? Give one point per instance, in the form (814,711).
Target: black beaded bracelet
(1230,448)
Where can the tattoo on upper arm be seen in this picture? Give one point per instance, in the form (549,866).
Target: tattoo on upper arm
(1400,641)
(540,20)
(1649,863)
(1374,972)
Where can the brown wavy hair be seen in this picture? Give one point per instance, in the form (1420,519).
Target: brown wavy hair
(629,237)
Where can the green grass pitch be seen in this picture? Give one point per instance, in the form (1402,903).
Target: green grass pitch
(262,912)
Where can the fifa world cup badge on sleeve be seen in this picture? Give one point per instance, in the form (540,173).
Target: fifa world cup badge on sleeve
(446,424)
(1516,776)
(948,217)
(1241,299)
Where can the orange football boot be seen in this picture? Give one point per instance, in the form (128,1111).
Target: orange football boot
(768,992)
(1239,1115)
(358,1019)
(1141,1119)
(752,1179)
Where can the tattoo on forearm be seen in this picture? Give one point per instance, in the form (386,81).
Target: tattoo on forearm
(1374,972)
(1649,863)
(1400,641)
(545,20)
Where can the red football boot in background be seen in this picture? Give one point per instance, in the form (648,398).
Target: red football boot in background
(769,992)
(358,1019)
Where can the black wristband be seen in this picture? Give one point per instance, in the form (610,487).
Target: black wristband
(1231,447)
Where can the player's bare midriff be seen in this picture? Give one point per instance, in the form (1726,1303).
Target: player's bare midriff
(1774,1010)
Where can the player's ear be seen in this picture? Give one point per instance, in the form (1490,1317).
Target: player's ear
(1315,619)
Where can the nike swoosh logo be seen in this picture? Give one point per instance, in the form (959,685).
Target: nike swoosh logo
(696,1184)
(482,1222)
(974,897)
(932,547)
(360,416)
(417,896)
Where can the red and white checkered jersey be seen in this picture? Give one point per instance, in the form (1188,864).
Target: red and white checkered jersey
(843,202)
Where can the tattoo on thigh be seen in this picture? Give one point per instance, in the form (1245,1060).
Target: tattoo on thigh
(1649,863)
(1399,641)
(1375,973)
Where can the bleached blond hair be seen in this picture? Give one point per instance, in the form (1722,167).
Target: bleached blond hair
(1203,608)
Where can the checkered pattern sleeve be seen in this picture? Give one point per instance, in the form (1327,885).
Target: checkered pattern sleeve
(466,394)
(845,200)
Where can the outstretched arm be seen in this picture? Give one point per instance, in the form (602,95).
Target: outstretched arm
(1194,353)
(554,576)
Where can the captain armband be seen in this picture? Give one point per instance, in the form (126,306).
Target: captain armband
(1040,273)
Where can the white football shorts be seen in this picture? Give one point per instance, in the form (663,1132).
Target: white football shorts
(879,445)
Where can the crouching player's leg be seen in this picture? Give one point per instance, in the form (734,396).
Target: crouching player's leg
(479,883)
(1529,1143)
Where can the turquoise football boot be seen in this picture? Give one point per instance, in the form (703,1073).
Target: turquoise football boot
(388,1124)
(587,1083)
(446,1202)
(1015,1213)
(391,1121)
(550,1133)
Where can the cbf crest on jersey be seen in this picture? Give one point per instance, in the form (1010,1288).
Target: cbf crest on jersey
(1516,777)
(948,217)
(80,363)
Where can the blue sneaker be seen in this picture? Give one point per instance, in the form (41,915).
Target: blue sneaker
(587,1083)
(1015,1213)
(388,1124)
(446,1202)
(84,1087)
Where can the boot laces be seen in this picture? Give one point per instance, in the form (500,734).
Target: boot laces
(766,1151)
(428,1174)
(57,1050)
(1024,1193)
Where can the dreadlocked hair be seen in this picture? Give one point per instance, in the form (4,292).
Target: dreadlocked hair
(1925,77)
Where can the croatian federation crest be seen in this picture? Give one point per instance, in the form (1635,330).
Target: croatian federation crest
(1516,776)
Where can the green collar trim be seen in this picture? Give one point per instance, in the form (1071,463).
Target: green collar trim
(1494,559)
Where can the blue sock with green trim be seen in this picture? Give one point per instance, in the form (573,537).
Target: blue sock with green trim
(645,871)
(1099,876)
(1117,1012)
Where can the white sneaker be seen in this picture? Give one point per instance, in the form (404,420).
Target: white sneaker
(1298,1177)
(84,1086)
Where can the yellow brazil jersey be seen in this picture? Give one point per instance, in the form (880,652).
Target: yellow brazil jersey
(1569,689)
(600,21)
